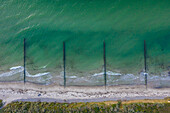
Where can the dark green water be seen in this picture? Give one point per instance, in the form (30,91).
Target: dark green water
(84,25)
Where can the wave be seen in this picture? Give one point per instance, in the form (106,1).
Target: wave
(108,73)
(72,77)
(20,69)
(13,71)
(16,67)
(97,78)
(38,75)
(154,77)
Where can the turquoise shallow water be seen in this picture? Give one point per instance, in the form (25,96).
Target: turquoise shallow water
(84,25)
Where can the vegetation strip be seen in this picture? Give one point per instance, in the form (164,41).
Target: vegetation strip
(158,106)
(1,103)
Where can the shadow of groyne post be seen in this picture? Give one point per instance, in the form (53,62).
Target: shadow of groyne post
(64,63)
(24,54)
(145,63)
(104,59)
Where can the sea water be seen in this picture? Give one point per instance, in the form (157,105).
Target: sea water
(84,25)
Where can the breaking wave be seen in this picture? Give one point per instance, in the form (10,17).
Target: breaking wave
(113,78)
(19,70)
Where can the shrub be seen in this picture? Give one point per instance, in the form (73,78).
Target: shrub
(44,107)
(1,103)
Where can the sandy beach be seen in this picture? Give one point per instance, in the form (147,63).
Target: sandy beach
(13,91)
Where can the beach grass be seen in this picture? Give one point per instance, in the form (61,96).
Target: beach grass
(149,106)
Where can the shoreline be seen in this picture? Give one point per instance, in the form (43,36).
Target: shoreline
(150,84)
(12,91)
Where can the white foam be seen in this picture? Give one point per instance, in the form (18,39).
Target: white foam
(37,75)
(145,73)
(13,71)
(72,77)
(129,77)
(108,73)
(19,69)
(16,67)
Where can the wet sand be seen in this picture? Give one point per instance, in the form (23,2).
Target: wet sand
(13,91)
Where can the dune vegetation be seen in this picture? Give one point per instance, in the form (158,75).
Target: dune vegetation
(149,106)
(1,103)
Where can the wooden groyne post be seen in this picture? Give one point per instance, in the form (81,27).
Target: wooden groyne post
(145,65)
(104,58)
(64,63)
(24,54)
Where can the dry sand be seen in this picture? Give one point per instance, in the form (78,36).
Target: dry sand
(12,91)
